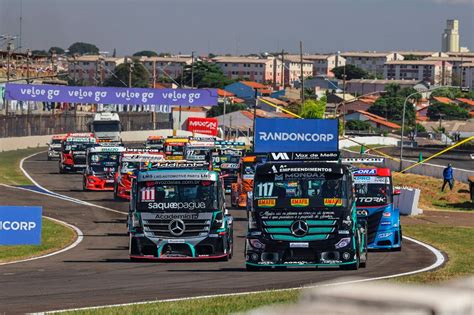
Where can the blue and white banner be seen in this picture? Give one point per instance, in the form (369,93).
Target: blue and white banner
(20,225)
(296,135)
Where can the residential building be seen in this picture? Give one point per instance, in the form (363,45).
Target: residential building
(166,67)
(456,62)
(374,120)
(435,72)
(468,75)
(450,36)
(292,73)
(372,62)
(415,54)
(365,86)
(92,69)
(323,63)
(261,70)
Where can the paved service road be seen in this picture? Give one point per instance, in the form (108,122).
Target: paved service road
(98,272)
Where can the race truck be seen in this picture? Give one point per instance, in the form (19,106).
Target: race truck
(101,164)
(130,161)
(304,214)
(106,127)
(54,147)
(374,200)
(155,142)
(244,184)
(178,212)
(174,148)
(73,152)
(199,149)
(226,159)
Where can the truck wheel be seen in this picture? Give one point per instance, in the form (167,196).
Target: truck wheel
(49,158)
(116,197)
(353,266)
(84,185)
(398,249)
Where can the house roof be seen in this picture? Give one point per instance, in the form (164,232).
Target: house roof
(372,54)
(189,109)
(442,99)
(466,101)
(414,62)
(377,81)
(233,59)
(254,85)
(224,93)
(379,120)
(238,100)
(274,101)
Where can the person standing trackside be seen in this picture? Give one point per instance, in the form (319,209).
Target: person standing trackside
(448,177)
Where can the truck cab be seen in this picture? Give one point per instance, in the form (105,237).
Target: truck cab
(199,149)
(178,212)
(54,147)
(130,161)
(374,201)
(244,184)
(101,165)
(73,152)
(106,127)
(155,142)
(303,214)
(174,148)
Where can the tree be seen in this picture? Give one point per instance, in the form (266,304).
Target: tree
(145,53)
(358,125)
(412,57)
(205,74)
(219,109)
(314,108)
(121,76)
(450,111)
(164,54)
(39,53)
(451,93)
(56,50)
(352,72)
(83,48)
(391,108)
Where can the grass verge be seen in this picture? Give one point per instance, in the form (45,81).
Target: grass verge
(54,237)
(431,197)
(10,172)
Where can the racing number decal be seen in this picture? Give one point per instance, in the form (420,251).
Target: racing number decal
(148,194)
(265,189)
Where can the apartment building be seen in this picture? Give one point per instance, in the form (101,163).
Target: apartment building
(468,75)
(165,67)
(456,62)
(292,69)
(372,62)
(324,63)
(92,69)
(435,72)
(261,70)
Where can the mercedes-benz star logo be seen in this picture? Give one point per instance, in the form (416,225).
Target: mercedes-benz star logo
(177,227)
(299,228)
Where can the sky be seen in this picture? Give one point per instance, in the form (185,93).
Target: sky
(238,26)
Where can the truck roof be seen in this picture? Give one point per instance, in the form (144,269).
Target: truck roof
(142,157)
(101,149)
(300,167)
(106,116)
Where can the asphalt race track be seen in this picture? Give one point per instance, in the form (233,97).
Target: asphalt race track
(98,272)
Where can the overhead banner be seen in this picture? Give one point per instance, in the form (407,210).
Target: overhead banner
(110,95)
(296,135)
(205,126)
(20,225)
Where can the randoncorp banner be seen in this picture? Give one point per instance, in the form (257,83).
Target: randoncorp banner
(20,225)
(207,126)
(110,95)
(296,135)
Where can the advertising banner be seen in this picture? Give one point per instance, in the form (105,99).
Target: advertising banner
(296,135)
(110,95)
(206,126)
(20,225)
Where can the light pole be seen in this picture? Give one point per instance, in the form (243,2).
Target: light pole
(403,116)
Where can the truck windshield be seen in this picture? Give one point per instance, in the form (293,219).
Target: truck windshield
(197,154)
(103,162)
(56,141)
(77,146)
(174,149)
(327,192)
(106,126)
(372,190)
(177,196)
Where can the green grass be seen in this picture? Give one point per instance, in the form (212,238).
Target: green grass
(54,237)
(356,148)
(10,172)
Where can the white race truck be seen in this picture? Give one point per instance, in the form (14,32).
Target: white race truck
(106,127)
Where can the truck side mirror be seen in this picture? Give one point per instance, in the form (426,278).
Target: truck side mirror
(396,192)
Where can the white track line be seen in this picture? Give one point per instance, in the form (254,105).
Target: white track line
(80,237)
(59,196)
(439,261)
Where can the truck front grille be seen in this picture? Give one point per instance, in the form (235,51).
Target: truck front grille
(192,228)
(372,225)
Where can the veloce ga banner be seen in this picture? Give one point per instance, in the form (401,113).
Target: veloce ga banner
(296,135)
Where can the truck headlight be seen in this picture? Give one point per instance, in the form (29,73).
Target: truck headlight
(135,221)
(256,244)
(344,242)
